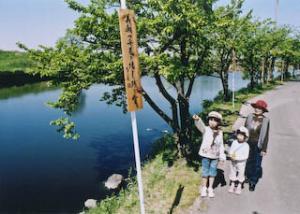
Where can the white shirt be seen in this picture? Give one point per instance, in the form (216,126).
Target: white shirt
(239,151)
(210,147)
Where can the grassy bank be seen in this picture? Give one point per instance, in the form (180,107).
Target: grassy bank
(14,67)
(166,188)
(19,91)
(172,189)
(12,61)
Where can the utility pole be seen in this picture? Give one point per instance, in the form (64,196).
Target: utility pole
(276,11)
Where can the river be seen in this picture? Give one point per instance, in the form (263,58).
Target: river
(42,172)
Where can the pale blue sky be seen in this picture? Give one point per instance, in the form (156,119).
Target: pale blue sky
(35,22)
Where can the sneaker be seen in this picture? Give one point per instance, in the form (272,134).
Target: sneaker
(203,191)
(231,188)
(238,190)
(211,193)
(251,187)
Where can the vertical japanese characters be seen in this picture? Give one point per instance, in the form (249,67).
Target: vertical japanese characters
(130,60)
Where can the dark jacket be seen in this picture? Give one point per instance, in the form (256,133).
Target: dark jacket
(264,132)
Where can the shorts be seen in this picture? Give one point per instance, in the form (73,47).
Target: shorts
(209,167)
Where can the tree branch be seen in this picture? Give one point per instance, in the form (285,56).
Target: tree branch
(189,90)
(158,110)
(171,100)
(163,90)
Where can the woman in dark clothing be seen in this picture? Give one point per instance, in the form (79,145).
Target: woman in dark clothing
(258,126)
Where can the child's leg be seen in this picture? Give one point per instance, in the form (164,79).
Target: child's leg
(205,171)
(238,189)
(212,172)
(232,176)
(233,171)
(241,171)
(205,174)
(212,175)
(241,176)
(231,186)
(211,181)
(204,182)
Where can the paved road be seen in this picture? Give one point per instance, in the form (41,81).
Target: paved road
(278,192)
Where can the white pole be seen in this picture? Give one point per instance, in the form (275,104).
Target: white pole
(233,71)
(136,148)
(233,88)
(137,160)
(123,4)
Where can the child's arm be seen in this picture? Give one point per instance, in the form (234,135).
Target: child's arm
(199,123)
(266,139)
(230,153)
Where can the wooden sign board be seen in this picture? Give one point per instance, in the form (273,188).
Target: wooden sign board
(130,60)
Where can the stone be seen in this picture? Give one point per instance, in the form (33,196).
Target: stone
(114,181)
(90,203)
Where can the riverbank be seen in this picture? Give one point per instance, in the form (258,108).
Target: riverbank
(18,78)
(174,189)
(12,61)
(19,91)
(14,67)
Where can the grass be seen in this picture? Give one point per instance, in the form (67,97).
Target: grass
(13,61)
(166,189)
(173,189)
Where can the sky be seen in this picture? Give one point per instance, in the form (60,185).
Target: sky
(43,22)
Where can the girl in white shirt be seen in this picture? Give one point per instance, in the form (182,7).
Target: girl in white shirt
(211,150)
(238,153)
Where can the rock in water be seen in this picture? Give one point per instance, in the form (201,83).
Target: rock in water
(90,203)
(114,181)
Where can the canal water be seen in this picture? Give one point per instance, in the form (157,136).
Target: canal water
(42,172)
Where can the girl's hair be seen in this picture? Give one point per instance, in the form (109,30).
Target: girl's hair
(242,133)
(216,119)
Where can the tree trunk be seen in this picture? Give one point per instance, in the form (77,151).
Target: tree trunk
(225,85)
(271,69)
(182,132)
(252,78)
(262,73)
(186,126)
(286,74)
(265,66)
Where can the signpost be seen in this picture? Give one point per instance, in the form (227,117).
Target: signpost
(132,82)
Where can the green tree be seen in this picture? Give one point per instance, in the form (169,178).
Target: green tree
(173,40)
(273,39)
(296,55)
(250,51)
(288,52)
(227,31)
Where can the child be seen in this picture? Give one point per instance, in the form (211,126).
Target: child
(212,149)
(239,152)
